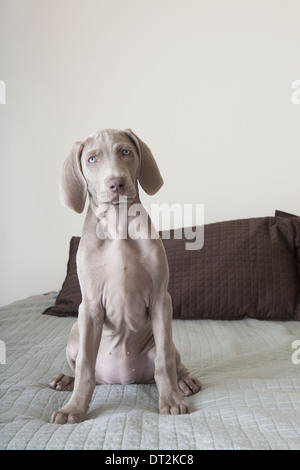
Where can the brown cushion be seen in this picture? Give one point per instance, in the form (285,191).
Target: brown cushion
(284,214)
(69,298)
(247,268)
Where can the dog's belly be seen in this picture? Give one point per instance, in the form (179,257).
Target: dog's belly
(117,366)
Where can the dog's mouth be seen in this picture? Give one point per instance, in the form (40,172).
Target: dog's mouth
(108,198)
(118,200)
(121,200)
(122,197)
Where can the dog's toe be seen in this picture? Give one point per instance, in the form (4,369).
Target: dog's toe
(62,383)
(189,385)
(173,405)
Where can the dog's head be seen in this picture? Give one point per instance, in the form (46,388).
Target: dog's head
(107,165)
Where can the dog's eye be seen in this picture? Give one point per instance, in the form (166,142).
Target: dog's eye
(126,152)
(92,159)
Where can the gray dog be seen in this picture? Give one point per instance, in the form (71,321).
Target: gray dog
(124,331)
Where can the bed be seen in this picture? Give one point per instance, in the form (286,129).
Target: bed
(245,352)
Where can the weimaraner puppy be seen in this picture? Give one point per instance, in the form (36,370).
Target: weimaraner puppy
(124,332)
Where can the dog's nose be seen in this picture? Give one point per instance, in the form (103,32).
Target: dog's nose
(116,185)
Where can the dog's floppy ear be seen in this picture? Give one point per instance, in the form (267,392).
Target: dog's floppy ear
(73,187)
(149,176)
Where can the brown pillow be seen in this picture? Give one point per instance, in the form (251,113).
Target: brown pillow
(247,268)
(69,298)
(284,214)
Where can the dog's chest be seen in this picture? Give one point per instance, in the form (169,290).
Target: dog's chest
(126,286)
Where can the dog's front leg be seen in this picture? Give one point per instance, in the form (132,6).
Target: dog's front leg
(90,323)
(166,375)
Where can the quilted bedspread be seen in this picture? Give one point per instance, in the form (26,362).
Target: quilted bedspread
(250,397)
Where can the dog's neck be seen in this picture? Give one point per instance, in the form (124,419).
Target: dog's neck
(121,221)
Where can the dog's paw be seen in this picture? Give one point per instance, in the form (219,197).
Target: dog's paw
(189,385)
(62,382)
(65,416)
(173,405)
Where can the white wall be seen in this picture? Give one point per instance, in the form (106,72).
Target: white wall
(206,83)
